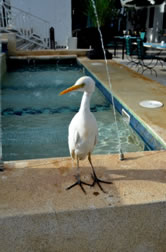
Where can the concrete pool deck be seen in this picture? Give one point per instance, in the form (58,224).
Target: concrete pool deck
(38,214)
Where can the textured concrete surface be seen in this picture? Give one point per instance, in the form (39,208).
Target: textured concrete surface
(136,180)
(38,214)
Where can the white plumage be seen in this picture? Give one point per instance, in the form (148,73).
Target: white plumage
(83,127)
(83,130)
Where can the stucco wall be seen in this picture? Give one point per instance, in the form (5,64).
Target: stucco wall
(57,13)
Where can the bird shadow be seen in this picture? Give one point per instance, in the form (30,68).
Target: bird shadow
(156,175)
(147,168)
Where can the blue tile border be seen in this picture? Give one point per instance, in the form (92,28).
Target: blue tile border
(150,139)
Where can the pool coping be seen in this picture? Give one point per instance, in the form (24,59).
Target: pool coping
(43,57)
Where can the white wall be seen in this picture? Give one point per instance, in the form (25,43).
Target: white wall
(56,12)
(153,33)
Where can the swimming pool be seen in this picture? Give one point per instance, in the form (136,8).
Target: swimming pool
(35,118)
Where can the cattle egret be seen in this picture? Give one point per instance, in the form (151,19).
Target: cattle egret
(83,131)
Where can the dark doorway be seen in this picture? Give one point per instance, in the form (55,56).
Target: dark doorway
(79,19)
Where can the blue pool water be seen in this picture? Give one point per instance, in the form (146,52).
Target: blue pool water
(35,118)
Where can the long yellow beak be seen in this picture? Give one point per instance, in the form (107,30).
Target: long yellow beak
(72,88)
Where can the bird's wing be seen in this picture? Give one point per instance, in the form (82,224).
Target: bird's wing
(82,134)
(96,139)
(74,142)
(76,137)
(73,136)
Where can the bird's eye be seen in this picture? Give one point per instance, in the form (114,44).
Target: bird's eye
(82,85)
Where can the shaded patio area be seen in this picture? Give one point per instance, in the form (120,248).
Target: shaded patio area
(161,71)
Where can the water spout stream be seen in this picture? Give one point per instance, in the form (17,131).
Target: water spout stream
(121,156)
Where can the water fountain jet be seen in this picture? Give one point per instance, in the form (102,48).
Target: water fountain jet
(121,155)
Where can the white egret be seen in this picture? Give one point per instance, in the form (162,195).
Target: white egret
(83,130)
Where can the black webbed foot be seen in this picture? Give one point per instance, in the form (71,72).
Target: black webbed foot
(97,181)
(80,183)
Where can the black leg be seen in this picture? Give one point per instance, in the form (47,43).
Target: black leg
(1,166)
(96,180)
(79,181)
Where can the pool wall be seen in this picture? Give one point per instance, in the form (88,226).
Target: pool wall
(152,141)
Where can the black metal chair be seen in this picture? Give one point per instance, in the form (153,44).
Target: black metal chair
(146,61)
(112,45)
(138,57)
(131,52)
(142,36)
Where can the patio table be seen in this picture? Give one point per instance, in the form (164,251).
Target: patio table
(123,42)
(158,46)
(155,45)
(153,58)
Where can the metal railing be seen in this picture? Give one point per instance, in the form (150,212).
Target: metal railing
(26,25)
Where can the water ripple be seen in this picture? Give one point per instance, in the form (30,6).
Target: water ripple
(34,111)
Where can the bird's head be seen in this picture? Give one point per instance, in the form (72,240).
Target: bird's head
(84,84)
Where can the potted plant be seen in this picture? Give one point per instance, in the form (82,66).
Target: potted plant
(105,11)
(100,12)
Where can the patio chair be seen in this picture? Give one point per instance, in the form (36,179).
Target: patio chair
(112,45)
(146,61)
(142,36)
(131,52)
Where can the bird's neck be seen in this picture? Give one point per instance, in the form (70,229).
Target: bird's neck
(85,102)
